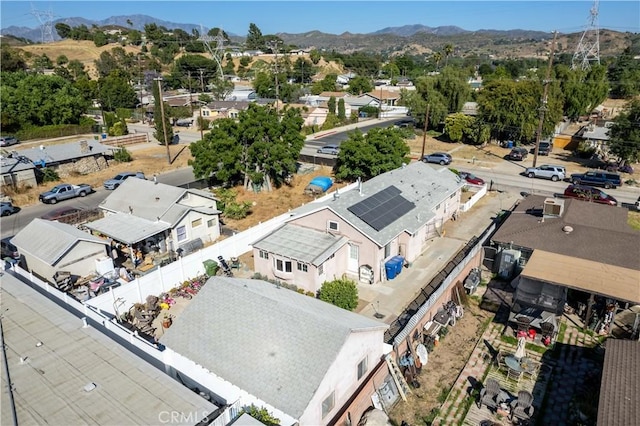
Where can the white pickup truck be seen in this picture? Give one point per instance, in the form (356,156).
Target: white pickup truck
(65,191)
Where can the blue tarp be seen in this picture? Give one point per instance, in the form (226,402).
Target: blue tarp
(323,182)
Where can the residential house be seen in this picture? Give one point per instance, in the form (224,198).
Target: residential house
(18,172)
(299,52)
(596,136)
(149,214)
(552,245)
(47,247)
(80,156)
(620,384)
(222,109)
(356,232)
(383,97)
(313,116)
(470,108)
(302,359)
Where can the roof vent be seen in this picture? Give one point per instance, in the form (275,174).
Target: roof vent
(567,229)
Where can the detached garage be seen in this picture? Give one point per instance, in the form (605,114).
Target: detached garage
(47,247)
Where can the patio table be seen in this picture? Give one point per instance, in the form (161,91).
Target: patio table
(519,365)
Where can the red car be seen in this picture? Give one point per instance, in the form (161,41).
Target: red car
(589,193)
(471,178)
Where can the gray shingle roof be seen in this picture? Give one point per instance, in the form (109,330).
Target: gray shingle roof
(620,386)
(272,342)
(600,233)
(64,152)
(127,228)
(302,244)
(420,183)
(11,165)
(151,201)
(49,240)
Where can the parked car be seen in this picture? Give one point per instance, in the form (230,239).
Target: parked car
(7,208)
(329,149)
(121,177)
(62,214)
(441,158)
(518,154)
(597,178)
(8,249)
(184,122)
(544,148)
(8,140)
(404,122)
(546,171)
(471,178)
(589,193)
(65,191)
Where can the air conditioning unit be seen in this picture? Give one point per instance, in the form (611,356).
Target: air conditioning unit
(553,207)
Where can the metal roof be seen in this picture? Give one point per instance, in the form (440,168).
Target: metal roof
(50,240)
(422,184)
(620,386)
(9,165)
(127,228)
(301,244)
(274,343)
(53,361)
(155,201)
(64,152)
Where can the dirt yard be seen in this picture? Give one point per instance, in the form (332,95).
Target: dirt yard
(445,364)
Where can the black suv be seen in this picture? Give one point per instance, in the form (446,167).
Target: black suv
(597,178)
(518,154)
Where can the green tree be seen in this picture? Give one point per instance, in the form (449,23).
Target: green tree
(134,37)
(255,40)
(582,90)
(448,50)
(42,62)
(260,148)
(331,105)
(342,293)
(62,60)
(359,85)
(624,75)
(457,125)
(262,415)
(100,39)
(116,92)
(341,109)
(425,94)
(327,84)
(11,59)
(624,134)
(315,56)
(367,156)
(159,118)
(452,84)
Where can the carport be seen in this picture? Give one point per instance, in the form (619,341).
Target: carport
(592,277)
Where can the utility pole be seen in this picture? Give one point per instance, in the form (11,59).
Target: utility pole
(190,93)
(140,88)
(164,122)
(201,70)
(543,107)
(202,92)
(274,46)
(424,134)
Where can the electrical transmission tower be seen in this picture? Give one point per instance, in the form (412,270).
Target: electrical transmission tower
(46,23)
(217,50)
(588,49)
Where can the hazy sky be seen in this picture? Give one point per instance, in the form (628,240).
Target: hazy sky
(336,17)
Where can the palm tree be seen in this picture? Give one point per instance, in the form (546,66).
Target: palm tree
(448,50)
(437,56)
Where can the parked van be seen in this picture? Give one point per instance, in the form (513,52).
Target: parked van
(589,193)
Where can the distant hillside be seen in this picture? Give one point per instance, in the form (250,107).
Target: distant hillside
(413,40)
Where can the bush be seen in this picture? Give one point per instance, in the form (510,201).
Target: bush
(53,131)
(203,123)
(122,155)
(585,150)
(49,175)
(341,292)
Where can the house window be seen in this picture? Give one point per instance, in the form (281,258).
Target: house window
(362,368)
(321,269)
(302,267)
(211,223)
(453,195)
(327,405)
(283,265)
(438,207)
(196,223)
(263,254)
(333,226)
(181,231)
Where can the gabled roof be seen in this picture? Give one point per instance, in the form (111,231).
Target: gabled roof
(383,94)
(49,241)
(64,152)
(272,342)
(155,202)
(301,244)
(418,182)
(11,165)
(599,232)
(227,105)
(620,385)
(127,228)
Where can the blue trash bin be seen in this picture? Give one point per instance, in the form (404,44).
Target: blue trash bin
(390,269)
(399,263)
(509,144)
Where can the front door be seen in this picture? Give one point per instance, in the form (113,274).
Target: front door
(354,256)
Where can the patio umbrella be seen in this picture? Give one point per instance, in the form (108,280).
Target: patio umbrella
(520,353)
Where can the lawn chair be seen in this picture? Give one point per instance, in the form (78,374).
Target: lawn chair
(523,324)
(531,372)
(514,374)
(500,360)
(490,395)
(522,408)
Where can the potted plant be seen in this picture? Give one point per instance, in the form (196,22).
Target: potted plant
(167,320)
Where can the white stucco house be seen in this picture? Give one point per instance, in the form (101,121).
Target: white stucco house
(48,247)
(142,212)
(299,357)
(357,232)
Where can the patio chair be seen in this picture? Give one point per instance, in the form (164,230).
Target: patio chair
(490,394)
(523,324)
(522,407)
(500,363)
(547,329)
(514,374)
(531,372)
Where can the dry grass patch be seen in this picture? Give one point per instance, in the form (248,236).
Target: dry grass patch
(634,220)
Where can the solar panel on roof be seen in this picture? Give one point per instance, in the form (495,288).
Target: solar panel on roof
(382,208)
